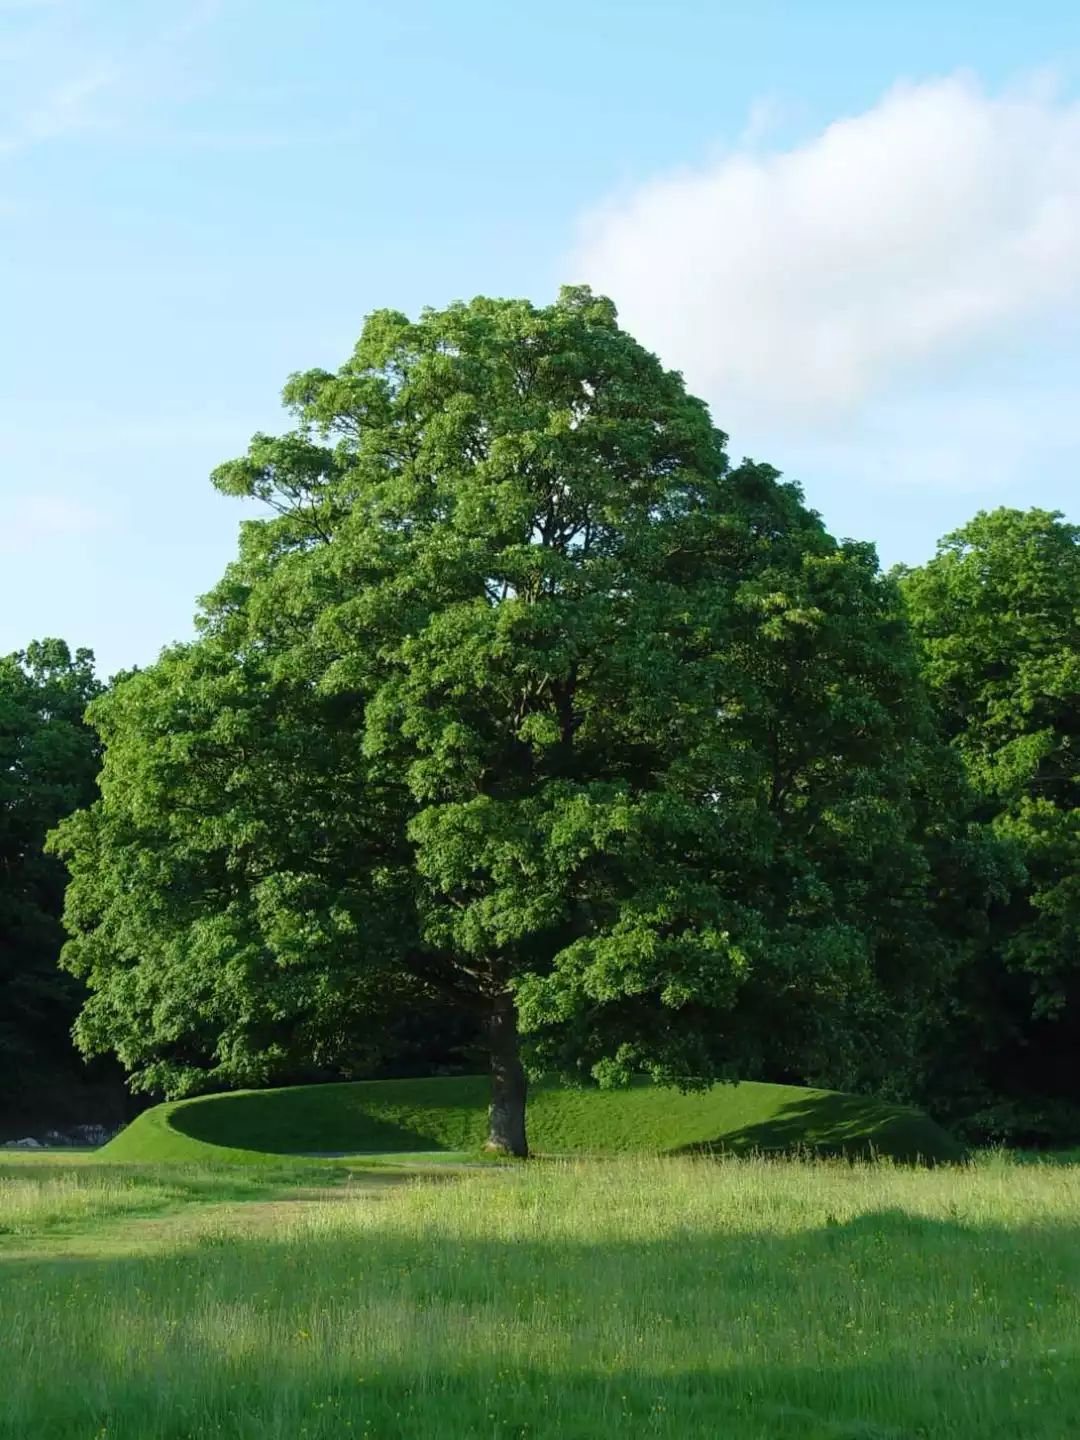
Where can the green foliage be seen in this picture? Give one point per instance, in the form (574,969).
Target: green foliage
(525,702)
(997,613)
(235,892)
(48,761)
(411,1116)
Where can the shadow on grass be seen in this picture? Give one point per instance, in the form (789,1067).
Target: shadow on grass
(198,1177)
(193,1182)
(111,1198)
(889,1326)
(339,1119)
(491,1402)
(840,1125)
(434,1117)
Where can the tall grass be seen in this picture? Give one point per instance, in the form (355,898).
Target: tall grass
(741,1298)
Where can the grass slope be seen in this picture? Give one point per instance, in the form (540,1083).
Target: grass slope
(450,1115)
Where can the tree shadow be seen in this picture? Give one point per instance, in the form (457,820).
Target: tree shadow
(290,1123)
(840,1125)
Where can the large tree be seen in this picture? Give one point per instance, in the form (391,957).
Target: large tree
(997,613)
(525,702)
(48,764)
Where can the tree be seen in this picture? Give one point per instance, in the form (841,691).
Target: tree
(48,763)
(997,613)
(524,702)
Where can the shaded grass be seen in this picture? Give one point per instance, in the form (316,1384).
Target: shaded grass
(39,1196)
(93,1208)
(450,1115)
(754,1299)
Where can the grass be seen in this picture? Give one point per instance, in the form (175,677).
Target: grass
(449,1115)
(66,1190)
(758,1299)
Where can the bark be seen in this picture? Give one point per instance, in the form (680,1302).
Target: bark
(506,1116)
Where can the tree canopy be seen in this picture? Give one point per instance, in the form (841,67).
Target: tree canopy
(521,700)
(997,613)
(48,762)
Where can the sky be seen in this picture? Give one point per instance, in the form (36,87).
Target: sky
(854,228)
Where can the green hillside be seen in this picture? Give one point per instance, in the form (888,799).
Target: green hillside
(401,1116)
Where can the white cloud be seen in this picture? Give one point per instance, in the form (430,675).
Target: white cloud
(64,109)
(988,443)
(70,74)
(33,519)
(792,287)
(767,114)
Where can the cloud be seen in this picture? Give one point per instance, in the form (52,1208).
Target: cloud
(32,519)
(68,78)
(992,442)
(794,286)
(64,109)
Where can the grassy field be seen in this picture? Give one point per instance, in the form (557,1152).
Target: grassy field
(450,1114)
(755,1299)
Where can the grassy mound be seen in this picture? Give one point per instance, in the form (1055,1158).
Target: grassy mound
(450,1115)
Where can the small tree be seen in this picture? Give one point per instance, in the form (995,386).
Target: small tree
(524,699)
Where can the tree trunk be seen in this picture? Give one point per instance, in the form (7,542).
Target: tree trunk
(506,1116)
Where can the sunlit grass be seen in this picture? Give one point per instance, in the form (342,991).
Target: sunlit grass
(40,1193)
(742,1298)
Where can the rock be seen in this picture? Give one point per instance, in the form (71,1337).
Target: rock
(79,1135)
(91,1134)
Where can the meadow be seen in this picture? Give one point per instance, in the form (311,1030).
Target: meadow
(754,1298)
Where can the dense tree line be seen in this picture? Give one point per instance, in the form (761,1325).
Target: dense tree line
(49,759)
(526,725)
(997,617)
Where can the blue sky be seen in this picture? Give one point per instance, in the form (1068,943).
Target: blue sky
(855,228)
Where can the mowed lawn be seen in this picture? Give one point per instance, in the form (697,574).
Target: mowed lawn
(657,1297)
